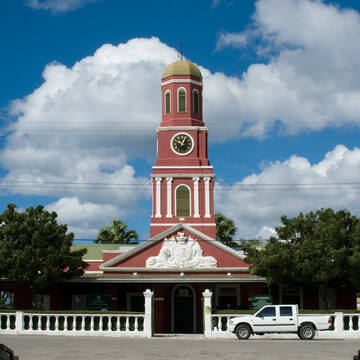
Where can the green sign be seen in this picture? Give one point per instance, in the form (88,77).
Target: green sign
(98,302)
(258,301)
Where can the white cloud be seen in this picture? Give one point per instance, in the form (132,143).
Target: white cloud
(85,218)
(311,80)
(58,6)
(237,40)
(258,201)
(77,132)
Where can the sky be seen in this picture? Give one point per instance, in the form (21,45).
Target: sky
(80,103)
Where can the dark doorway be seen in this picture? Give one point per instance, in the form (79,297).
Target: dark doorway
(183,310)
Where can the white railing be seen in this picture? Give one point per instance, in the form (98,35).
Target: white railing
(22,322)
(345,326)
(7,322)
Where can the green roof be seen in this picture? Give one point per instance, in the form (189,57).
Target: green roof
(94,251)
(182,67)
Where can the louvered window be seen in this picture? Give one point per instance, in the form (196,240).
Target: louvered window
(195,102)
(182,201)
(181,100)
(167,102)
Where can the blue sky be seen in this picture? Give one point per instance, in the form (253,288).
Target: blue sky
(80,102)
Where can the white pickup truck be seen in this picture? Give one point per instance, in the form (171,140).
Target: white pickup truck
(279,319)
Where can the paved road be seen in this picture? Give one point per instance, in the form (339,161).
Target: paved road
(30,347)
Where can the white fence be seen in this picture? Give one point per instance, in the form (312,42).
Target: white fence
(134,325)
(345,326)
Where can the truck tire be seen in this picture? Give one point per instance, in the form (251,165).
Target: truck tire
(243,331)
(306,332)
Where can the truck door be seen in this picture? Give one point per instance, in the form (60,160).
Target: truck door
(287,320)
(265,320)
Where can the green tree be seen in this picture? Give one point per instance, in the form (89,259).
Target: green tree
(35,251)
(116,233)
(321,248)
(225,229)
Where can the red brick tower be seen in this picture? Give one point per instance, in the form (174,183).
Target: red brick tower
(182,178)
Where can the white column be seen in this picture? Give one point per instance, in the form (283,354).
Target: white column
(196,197)
(207,294)
(148,330)
(158,197)
(207,197)
(169,197)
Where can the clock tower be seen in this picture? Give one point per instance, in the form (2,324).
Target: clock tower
(182,177)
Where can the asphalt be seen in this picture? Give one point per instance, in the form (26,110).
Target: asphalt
(33,347)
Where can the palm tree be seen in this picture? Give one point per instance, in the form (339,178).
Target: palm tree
(116,233)
(225,229)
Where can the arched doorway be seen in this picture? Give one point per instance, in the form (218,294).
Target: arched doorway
(183,309)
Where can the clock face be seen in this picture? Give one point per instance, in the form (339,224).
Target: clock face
(182,144)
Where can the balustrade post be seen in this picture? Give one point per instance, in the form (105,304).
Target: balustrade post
(148,320)
(207,295)
(339,323)
(19,322)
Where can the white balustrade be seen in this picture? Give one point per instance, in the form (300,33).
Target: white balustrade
(7,322)
(22,322)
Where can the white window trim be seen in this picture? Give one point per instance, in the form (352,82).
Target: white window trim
(168,91)
(177,98)
(189,199)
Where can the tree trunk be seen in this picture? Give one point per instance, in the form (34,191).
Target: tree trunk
(327,297)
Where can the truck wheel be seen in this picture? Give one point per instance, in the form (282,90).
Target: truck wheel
(243,332)
(306,332)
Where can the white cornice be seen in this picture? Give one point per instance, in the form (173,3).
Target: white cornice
(182,167)
(178,128)
(177,270)
(177,279)
(187,81)
(181,175)
(190,224)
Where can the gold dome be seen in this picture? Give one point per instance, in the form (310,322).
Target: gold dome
(182,67)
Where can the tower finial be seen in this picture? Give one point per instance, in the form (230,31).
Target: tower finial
(181,50)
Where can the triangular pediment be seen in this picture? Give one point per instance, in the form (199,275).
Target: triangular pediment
(179,247)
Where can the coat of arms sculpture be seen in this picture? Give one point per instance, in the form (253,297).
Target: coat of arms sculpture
(182,252)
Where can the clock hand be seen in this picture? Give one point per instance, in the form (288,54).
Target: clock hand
(182,143)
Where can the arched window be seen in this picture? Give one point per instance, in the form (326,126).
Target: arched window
(182,201)
(195,101)
(181,100)
(167,102)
